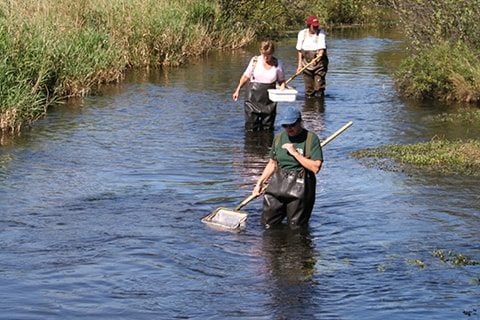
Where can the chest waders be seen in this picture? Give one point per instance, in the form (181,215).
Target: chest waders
(314,77)
(260,111)
(290,194)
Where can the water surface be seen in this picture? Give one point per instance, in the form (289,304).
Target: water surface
(101,204)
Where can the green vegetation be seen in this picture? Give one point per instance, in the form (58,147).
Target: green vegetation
(456,259)
(52,50)
(443,62)
(438,156)
(275,17)
(464,117)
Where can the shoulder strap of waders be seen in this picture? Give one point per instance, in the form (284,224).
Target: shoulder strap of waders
(277,140)
(305,36)
(308,143)
(254,64)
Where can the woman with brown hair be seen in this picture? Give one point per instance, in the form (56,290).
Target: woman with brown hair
(262,73)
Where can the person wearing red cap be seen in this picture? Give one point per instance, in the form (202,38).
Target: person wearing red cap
(311,43)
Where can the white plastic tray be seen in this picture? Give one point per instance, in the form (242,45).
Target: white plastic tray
(286,95)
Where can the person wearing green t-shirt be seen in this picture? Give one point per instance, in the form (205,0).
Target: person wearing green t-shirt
(295,159)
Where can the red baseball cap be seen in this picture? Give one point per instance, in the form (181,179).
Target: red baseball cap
(313,21)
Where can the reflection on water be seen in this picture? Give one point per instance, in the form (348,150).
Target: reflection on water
(289,253)
(290,266)
(314,105)
(313,109)
(258,143)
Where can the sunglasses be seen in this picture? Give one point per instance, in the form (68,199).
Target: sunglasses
(289,125)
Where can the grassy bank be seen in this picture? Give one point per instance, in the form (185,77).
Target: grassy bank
(446,71)
(437,156)
(440,156)
(57,49)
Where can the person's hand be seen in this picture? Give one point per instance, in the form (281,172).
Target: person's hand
(283,85)
(235,95)
(290,148)
(257,190)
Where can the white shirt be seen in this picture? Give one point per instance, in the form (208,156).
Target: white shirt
(309,42)
(262,75)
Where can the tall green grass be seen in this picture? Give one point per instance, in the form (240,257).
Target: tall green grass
(52,50)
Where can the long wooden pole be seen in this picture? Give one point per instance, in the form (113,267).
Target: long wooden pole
(303,69)
(250,198)
(336,133)
(333,136)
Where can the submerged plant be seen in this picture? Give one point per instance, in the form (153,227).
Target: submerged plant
(460,117)
(456,259)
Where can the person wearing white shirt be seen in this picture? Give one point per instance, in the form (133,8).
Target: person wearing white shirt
(311,43)
(263,72)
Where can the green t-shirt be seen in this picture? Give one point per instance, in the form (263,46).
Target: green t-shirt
(288,162)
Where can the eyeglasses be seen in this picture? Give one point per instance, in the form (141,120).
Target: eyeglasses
(289,125)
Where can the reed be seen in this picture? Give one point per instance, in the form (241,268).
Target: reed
(58,49)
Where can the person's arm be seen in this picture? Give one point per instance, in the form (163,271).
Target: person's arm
(309,164)
(299,47)
(269,169)
(243,80)
(280,75)
(299,66)
(320,53)
(322,44)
